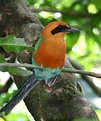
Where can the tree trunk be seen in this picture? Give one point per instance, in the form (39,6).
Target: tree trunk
(63,101)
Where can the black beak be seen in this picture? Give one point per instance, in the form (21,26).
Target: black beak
(72,29)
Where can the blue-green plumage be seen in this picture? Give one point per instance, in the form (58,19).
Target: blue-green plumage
(46,73)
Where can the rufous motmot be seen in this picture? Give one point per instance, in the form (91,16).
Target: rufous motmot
(49,54)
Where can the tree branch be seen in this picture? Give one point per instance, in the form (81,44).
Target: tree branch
(69,70)
(72,14)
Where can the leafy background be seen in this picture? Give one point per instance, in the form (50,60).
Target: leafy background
(83,47)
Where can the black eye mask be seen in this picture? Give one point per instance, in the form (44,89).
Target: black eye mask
(60,28)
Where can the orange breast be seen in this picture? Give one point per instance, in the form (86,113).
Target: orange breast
(51,53)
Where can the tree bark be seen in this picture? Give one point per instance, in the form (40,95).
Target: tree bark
(63,101)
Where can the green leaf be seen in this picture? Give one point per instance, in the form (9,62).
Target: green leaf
(13,44)
(71,40)
(10,43)
(17,71)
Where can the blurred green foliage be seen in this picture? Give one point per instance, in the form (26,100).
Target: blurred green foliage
(16,117)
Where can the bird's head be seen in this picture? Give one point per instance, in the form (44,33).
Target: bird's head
(57,28)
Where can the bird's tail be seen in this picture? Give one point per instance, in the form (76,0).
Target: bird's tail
(20,94)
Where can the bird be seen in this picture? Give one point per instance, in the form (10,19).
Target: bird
(49,55)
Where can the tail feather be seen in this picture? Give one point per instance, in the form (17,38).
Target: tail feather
(21,94)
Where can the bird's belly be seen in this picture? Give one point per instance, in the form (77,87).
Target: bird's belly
(51,55)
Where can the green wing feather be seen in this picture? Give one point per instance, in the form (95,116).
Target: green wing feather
(36,48)
(37,44)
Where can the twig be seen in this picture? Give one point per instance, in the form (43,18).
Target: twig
(63,70)
(82,72)
(77,14)
(19,65)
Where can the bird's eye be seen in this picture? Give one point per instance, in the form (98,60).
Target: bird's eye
(60,26)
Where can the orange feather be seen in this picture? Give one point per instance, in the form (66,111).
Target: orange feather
(51,53)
